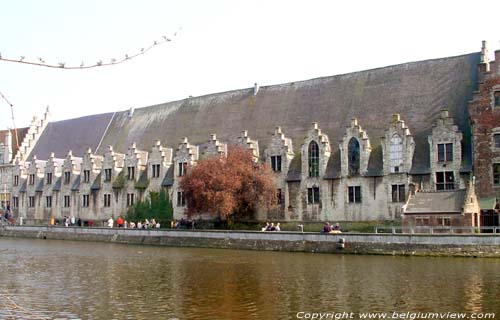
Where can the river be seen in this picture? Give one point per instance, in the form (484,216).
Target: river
(49,279)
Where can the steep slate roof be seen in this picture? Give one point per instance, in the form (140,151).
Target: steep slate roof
(168,180)
(74,134)
(436,202)
(416,90)
(76,184)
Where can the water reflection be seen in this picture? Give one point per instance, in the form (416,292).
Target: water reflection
(71,280)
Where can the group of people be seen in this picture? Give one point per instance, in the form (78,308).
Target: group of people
(122,223)
(7,216)
(182,224)
(327,228)
(271,227)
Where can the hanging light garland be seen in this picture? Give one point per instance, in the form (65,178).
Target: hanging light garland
(100,63)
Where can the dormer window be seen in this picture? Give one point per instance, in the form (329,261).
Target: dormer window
(16,180)
(276,163)
(67,177)
(156,170)
(107,174)
(445,152)
(396,153)
(49,177)
(86,176)
(32,179)
(313,159)
(130,173)
(353,157)
(182,168)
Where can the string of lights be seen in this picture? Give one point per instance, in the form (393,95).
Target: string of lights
(100,63)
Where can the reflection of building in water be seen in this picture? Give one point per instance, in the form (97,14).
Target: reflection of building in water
(345,147)
(473,292)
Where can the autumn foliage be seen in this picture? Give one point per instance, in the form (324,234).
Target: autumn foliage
(229,186)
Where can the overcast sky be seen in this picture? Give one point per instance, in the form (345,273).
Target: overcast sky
(222,46)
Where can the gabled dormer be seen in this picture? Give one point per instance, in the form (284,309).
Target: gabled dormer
(70,169)
(355,150)
(215,148)
(398,147)
(112,165)
(135,163)
(445,145)
(52,171)
(185,156)
(35,170)
(19,172)
(279,152)
(252,145)
(315,153)
(91,167)
(160,159)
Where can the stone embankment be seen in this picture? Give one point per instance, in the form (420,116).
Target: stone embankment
(463,245)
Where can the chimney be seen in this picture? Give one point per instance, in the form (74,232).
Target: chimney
(131,112)
(444,114)
(255,88)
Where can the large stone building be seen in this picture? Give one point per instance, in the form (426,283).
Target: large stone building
(345,147)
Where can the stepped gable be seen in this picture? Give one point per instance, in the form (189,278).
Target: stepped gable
(416,90)
(74,134)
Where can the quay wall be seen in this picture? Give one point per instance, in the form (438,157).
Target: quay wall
(462,245)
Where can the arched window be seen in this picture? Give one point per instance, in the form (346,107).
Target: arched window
(353,157)
(396,153)
(313,159)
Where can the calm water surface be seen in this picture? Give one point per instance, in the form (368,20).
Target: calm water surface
(44,279)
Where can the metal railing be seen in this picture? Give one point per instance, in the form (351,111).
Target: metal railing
(435,230)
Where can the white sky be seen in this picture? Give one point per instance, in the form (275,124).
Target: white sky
(223,45)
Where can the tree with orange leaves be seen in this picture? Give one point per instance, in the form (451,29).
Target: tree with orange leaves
(232,186)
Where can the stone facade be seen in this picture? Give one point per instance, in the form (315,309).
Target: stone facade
(361,166)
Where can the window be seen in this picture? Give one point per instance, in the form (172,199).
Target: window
(32,179)
(15,202)
(421,221)
(31,201)
(85,200)
(49,177)
(355,194)
(313,158)
(445,152)
(313,195)
(48,201)
(398,193)
(396,153)
(445,181)
(130,173)
(130,199)
(181,199)
(107,200)
(182,168)
(496,173)
(107,174)
(276,163)
(67,177)
(16,180)
(353,157)
(445,222)
(67,202)
(496,97)
(86,176)
(156,170)
(496,140)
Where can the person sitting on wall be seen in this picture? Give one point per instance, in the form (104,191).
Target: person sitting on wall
(336,228)
(326,228)
(119,222)
(264,228)
(278,228)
